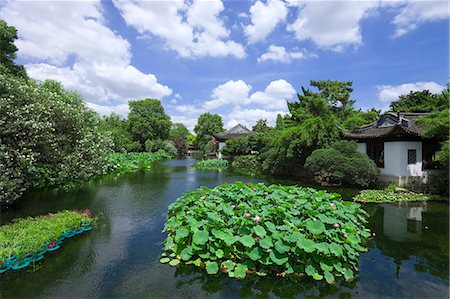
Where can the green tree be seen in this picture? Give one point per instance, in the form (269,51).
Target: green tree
(178,135)
(8,34)
(421,101)
(147,120)
(117,127)
(261,126)
(48,137)
(207,125)
(279,124)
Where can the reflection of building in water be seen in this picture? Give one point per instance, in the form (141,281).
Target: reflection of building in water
(403,224)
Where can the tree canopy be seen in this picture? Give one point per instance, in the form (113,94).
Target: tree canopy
(207,125)
(261,126)
(148,121)
(8,34)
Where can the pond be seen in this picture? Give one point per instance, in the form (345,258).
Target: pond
(409,257)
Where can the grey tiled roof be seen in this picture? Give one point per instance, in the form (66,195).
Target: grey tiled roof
(236,131)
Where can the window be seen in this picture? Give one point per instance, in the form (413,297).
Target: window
(412,156)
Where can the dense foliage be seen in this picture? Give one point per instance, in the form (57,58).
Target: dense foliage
(8,34)
(243,229)
(421,101)
(342,163)
(247,164)
(148,121)
(125,162)
(28,239)
(164,145)
(207,125)
(48,137)
(179,136)
(261,126)
(212,164)
(118,129)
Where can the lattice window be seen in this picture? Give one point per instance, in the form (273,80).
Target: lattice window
(412,156)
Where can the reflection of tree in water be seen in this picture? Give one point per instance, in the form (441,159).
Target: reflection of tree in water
(255,286)
(413,230)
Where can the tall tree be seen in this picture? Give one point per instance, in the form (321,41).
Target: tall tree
(148,121)
(207,125)
(261,126)
(421,101)
(178,135)
(117,127)
(8,34)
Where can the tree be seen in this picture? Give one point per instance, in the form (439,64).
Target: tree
(147,120)
(279,124)
(178,135)
(117,127)
(261,126)
(207,125)
(48,137)
(421,101)
(8,34)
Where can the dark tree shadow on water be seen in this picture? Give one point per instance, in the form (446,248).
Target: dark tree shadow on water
(259,287)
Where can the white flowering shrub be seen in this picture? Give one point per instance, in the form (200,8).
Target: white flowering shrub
(48,137)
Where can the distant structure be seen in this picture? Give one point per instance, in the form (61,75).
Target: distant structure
(236,131)
(395,144)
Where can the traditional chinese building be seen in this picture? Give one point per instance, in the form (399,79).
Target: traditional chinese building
(236,131)
(395,144)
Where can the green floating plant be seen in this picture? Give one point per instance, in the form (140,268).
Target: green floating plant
(242,229)
(212,164)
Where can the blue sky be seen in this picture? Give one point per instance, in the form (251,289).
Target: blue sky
(241,59)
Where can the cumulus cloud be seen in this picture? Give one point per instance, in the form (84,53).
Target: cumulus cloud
(279,54)
(389,93)
(414,13)
(264,18)
(331,25)
(69,42)
(121,109)
(248,117)
(191,29)
(231,92)
(275,96)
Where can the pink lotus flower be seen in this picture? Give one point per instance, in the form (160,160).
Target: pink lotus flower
(336,225)
(374,234)
(266,193)
(247,215)
(254,189)
(257,218)
(203,197)
(333,206)
(358,232)
(187,212)
(233,206)
(345,236)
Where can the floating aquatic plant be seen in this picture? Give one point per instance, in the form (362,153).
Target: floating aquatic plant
(125,162)
(391,196)
(212,164)
(27,240)
(243,229)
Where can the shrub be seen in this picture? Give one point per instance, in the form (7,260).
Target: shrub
(247,164)
(158,144)
(48,137)
(212,164)
(342,163)
(134,146)
(245,228)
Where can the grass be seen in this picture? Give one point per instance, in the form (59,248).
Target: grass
(26,240)
(388,195)
(126,162)
(212,164)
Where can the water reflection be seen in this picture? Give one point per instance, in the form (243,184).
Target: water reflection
(120,258)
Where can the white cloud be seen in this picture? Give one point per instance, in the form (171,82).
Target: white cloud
(275,96)
(69,42)
(231,92)
(331,25)
(278,53)
(248,117)
(191,29)
(414,13)
(389,93)
(121,109)
(265,17)
(189,121)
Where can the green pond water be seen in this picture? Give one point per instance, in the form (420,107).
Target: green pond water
(409,257)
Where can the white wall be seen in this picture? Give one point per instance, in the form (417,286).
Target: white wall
(362,147)
(396,158)
(221,145)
